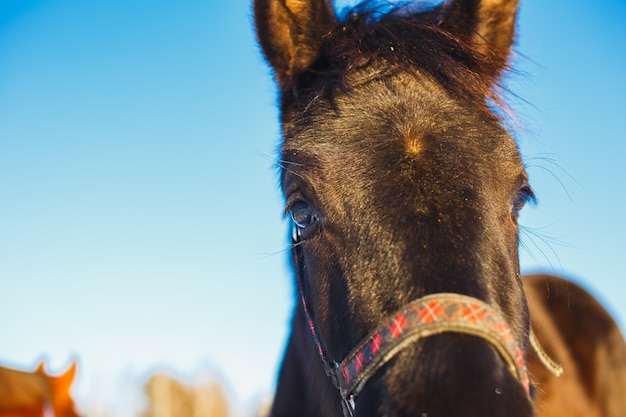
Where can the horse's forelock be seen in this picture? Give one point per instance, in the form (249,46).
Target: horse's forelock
(370,38)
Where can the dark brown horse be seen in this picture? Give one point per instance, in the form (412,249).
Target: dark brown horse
(404,190)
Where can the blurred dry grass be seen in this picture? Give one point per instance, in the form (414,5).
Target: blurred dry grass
(166,396)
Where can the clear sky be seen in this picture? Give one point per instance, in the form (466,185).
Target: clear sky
(140,219)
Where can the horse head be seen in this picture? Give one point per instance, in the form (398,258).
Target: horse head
(404,188)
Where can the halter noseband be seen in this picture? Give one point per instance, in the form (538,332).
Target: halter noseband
(424,317)
(427,316)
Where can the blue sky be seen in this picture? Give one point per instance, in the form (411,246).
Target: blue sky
(140,219)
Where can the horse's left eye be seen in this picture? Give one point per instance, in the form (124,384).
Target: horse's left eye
(302,215)
(523,196)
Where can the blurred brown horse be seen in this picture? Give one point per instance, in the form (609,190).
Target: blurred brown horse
(578,333)
(32,394)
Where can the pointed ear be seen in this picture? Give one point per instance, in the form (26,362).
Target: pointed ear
(487,25)
(41,367)
(69,375)
(291,32)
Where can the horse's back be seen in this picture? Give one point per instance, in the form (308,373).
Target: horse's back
(577,332)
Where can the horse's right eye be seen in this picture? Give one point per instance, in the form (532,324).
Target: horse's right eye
(523,196)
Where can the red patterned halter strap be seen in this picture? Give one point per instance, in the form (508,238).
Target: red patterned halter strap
(427,316)
(431,315)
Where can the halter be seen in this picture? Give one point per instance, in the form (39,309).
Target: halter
(427,316)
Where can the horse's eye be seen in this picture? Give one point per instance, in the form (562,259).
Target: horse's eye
(302,215)
(523,196)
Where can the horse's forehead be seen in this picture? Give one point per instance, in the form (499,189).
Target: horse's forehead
(400,116)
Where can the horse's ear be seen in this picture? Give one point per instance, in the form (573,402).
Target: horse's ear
(487,25)
(291,32)
(69,375)
(41,368)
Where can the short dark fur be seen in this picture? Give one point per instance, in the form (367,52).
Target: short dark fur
(404,183)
